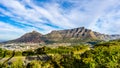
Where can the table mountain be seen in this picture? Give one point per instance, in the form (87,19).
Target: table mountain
(68,35)
(80,33)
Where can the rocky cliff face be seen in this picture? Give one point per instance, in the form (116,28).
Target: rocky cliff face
(76,33)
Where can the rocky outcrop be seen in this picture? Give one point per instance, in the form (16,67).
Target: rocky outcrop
(76,33)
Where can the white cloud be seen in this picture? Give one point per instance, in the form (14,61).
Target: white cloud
(108,23)
(79,13)
(8,31)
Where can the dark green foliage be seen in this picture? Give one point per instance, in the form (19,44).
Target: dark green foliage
(5,53)
(68,61)
(0,65)
(40,50)
(34,64)
(1,52)
(64,50)
(28,53)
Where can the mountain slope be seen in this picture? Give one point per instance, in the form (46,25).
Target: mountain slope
(115,37)
(32,37)
(80,33)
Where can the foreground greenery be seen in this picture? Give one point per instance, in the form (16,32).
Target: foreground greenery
(102,55)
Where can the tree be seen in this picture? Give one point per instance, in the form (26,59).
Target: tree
(40,50)
(28,53)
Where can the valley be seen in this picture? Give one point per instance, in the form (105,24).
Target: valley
(71,48)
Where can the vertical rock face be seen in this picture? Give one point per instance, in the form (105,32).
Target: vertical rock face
(76,33)
(79,33)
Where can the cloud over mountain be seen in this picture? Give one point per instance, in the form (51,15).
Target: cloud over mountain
(20,16)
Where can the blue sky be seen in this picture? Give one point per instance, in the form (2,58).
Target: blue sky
(20,16)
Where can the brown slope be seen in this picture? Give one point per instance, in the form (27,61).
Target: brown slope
(32,37)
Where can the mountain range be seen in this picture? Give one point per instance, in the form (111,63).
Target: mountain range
(68,35)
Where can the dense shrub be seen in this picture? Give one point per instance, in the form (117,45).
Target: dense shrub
(28,53)
(104,55)
(18,63)
(33,64)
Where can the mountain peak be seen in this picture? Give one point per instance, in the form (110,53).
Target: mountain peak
(31,37)
(81,28)
(34,31)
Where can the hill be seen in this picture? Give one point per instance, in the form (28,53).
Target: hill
(31,37)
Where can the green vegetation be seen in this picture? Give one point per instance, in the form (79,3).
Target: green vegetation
(34,64)
(28,53)
(102,55)
(18,63)
(66,50)
(5,53)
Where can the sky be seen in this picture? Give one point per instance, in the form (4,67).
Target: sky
(20,16)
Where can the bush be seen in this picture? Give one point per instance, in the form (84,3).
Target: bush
(28,53)
(18,63)
(18,53)
(34,64)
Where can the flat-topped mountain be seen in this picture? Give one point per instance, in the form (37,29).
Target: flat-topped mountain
(80,33)
(68,35)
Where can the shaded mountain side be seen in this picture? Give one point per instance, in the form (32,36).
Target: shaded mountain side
(32,37)
(80,34)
